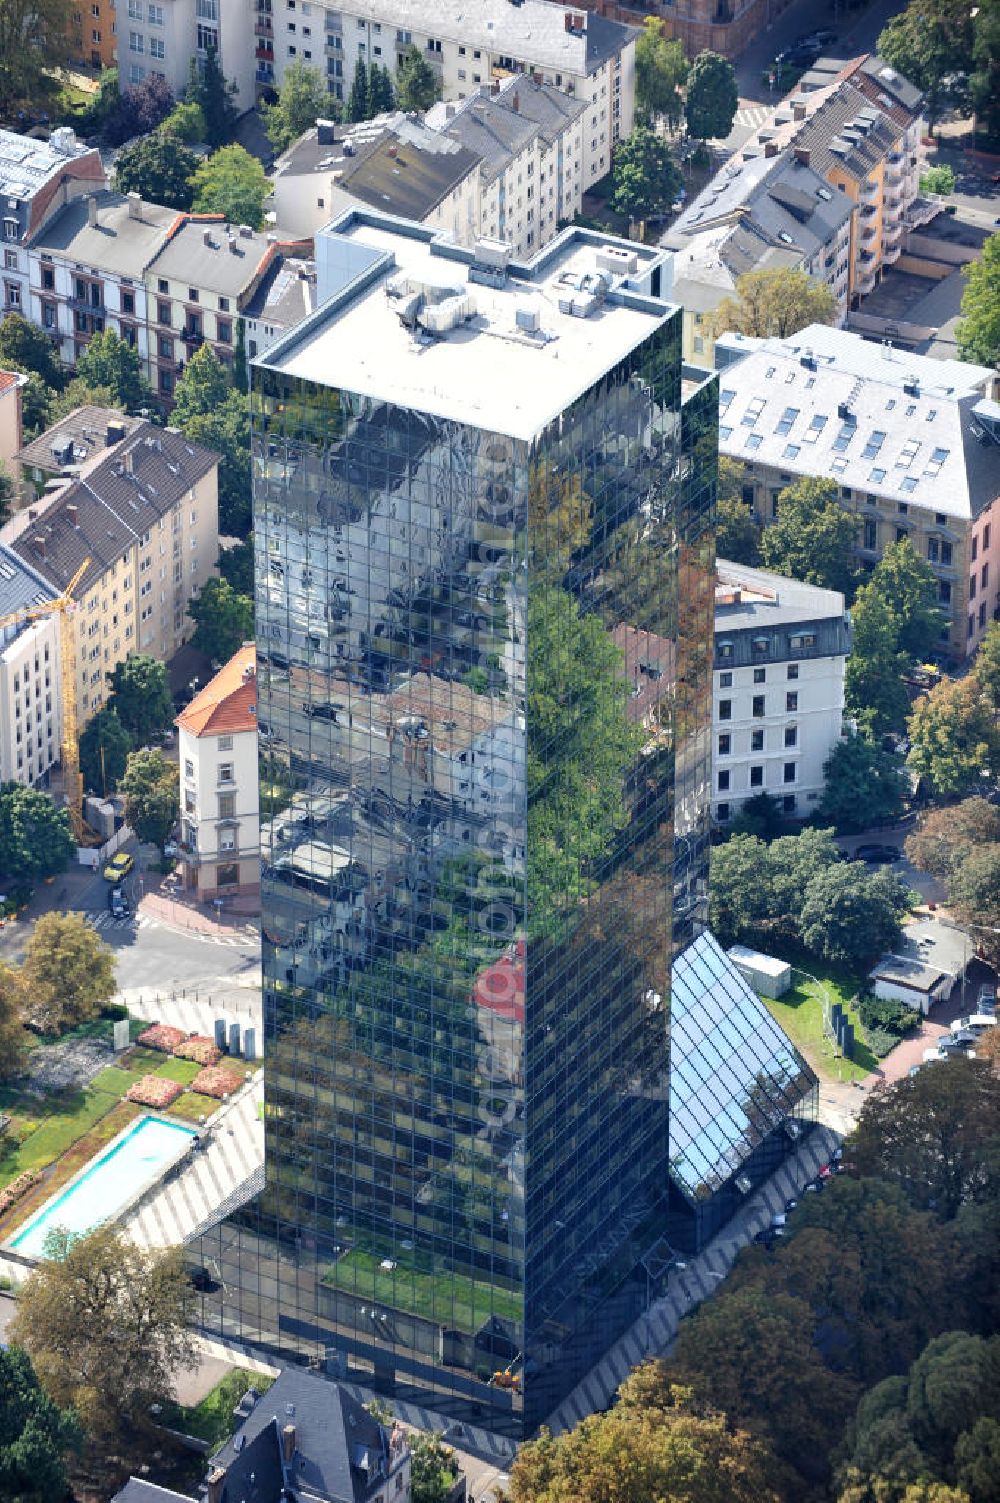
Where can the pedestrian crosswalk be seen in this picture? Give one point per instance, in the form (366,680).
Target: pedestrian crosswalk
(753,116)
(103,919)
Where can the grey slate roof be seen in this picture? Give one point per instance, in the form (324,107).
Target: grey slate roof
(492,131)
(847,131)
(409,172)
(113,506)
(331,1430)
(86,428)
(779,602)
(227,262)
(138,1490)
(20,584)
(117,243)
(286,295)
(27,165)
(533,31)
(779,406)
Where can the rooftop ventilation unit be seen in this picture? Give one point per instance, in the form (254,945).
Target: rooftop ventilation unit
(911,386)
(614,258)
(528,320)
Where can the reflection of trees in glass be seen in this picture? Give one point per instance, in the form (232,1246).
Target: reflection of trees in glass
(580,747)
(559,519)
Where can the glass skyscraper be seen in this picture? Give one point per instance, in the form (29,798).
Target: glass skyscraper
(483,504)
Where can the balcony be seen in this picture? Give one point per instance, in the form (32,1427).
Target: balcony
(263,27)
(869,192)
(264,74)
(264,52)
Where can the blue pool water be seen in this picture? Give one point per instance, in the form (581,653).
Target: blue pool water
(111,1181)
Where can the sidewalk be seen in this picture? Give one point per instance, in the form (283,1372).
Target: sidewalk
(182,912)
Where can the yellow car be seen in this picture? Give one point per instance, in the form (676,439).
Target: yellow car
(119,866)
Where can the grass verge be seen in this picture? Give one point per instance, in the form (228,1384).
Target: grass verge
(454,1299)
(212,1419)
(800,1013)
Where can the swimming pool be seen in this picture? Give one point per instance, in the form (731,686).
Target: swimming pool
(104,1187)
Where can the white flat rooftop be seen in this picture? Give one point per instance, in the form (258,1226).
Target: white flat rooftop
(488,371)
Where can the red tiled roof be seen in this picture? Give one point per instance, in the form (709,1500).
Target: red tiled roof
(9,379)
(228,703)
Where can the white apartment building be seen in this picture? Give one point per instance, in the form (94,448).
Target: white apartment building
(912,445)
(38,178)
(87,268)
(162,36)
(143,514)
(217,752)
(777,689)
(583,54)
(30,700)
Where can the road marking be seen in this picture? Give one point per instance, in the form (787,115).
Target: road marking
(753,115)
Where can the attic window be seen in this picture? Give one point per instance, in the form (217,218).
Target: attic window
(725,397)
(814,430)
(875,441)
(787,419)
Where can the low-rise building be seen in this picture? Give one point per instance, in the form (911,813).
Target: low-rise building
(93,34)
(911,443)
(37,179)
(770,212)
(286,295)
(778,689)
(87,267)
(30,701)
(11,435)
(163,39)
(588,56)
(828,184)
(144,512)
(198,286)
(56,456)
(306,1438)
(417,173)
(220,811)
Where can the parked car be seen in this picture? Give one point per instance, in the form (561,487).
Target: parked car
(987,1000)
(118,903)
(119,866)
(821,38)
(878,855)
(975,1024)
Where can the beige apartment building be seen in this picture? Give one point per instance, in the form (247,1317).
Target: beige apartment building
(911,444)
(144,511)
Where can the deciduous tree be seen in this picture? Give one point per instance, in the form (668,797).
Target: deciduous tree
(737,535)
(646,177)
(661,71)
(149,784)
(932,46)
(874,692)
(658,1442)
(433,1468)
(109,362)
(974,893)
(986,666)
(139,109)
(104,748)
(979,330)
(35,836)
(203,387)
(236,566)
(929,1134)
(13,1039)
(302,100)
(778,302)
(417,84)
(233,183)
(159,166)
(140,695)
(35,1435)
(863,786)
(79,393)
(225,619)
(954,741)
(24,347)
(68,970)
(812,537)
(944,838)
(852,918)
(32,42)
(104,1322)
(984,81)
(184,123)
(712,97)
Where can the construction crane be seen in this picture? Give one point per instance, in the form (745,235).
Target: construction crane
(62,606)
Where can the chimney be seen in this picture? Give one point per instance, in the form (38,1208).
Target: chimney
(129,461)
(71,513)
(803,155)
(288,1444)
(515,101)
(216,1478)
(207,238)
(770,148)
(449,112)
(326,132)
(798,110)
(134,206)
(91,209)
(233,246)
(38,543)
(246,233)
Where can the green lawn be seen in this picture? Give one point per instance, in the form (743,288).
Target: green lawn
(800,1013)
(454,1299)
(212,1418)
(182,1070)
(192,1106)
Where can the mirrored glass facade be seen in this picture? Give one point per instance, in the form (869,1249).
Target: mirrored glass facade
(484,670)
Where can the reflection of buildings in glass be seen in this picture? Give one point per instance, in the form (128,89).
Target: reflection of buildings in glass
(477,490)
